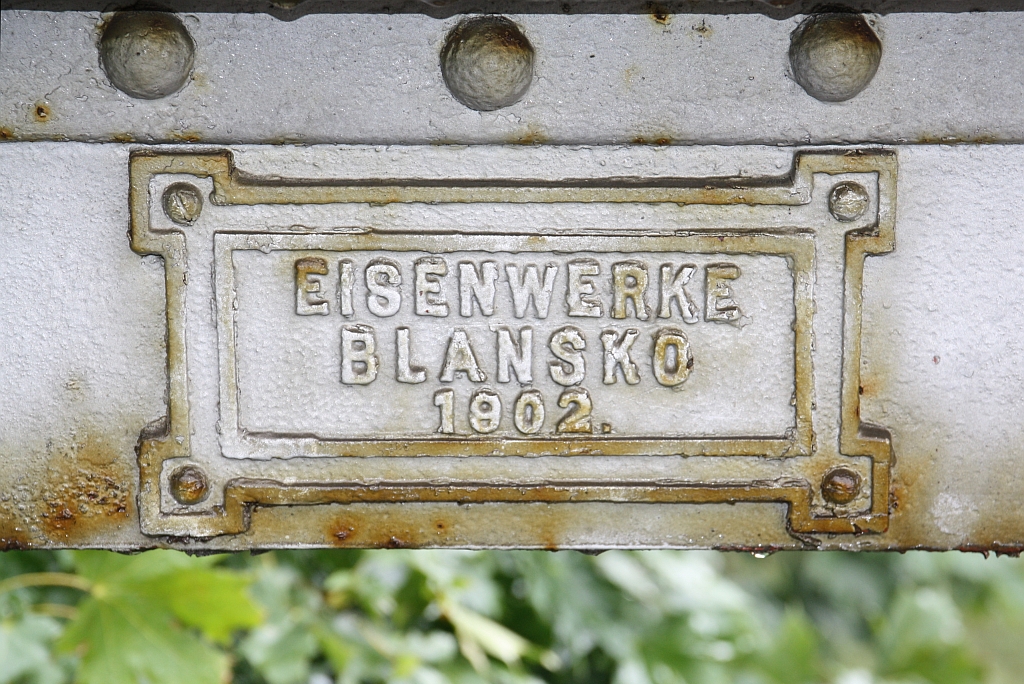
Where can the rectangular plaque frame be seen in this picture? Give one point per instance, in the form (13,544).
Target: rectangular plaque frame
(787,215)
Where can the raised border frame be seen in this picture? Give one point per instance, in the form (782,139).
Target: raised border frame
(241,494)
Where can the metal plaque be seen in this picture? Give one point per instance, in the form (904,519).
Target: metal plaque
(313,362)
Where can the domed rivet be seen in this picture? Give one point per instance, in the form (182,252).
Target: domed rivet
(848,201)
(834,55)
(182,203)
(189,485)
(487,63)
(147,55)
(840,486)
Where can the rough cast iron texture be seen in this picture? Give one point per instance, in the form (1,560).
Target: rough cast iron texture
(597,79)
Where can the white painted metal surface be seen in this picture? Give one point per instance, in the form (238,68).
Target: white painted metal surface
(598,79)
(85,353)
(236,365)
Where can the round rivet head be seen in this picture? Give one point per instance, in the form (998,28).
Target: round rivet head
(848,201)
(840,486)
(487,63)
(147,55)
(182,203)
(189,485)
(834,55)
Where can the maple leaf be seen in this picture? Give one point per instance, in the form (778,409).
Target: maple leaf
(156,618)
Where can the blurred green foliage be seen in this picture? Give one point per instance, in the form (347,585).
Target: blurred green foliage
(433,617)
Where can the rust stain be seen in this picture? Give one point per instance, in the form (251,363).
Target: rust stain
(6,133)
(187,136)
(360,528)
(12,538)
(86,490)
(531,135)
(285,140)
(102,24)
(124,137)
(366,530)
(980,139)
(1000,549)
(546,531)
(660,141)
(899,492)
(630,73)
(387,536)
(659,14)
(340,531)
(702,29)
(41,112)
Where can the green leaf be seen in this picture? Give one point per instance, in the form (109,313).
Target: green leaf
(925,636)
(282,649)
(25,653)
(281,653)
(130,629)
(104,566)
(215,601)
(944,666)
(337,651)
(660,617)
(793,657)
(130,639)
(479,636)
